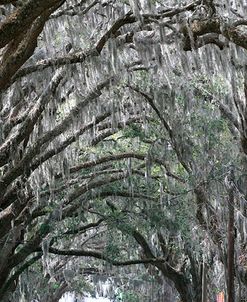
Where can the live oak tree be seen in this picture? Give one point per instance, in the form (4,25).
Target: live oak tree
(110,111)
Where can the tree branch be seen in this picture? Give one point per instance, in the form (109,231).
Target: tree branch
(22,18)
(14,56)
(27,127)
(101,256)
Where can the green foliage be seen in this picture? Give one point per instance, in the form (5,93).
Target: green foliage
(55,285)
(156,217)
(44,229)
(133,131)
(112,250)
(127,296)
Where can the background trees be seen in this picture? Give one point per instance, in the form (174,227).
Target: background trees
(121,123)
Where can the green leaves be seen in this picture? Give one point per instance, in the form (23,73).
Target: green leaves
(128,296)
(112,250)
(133,131)
(44,229)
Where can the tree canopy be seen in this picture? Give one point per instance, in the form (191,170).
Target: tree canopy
(123,149)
